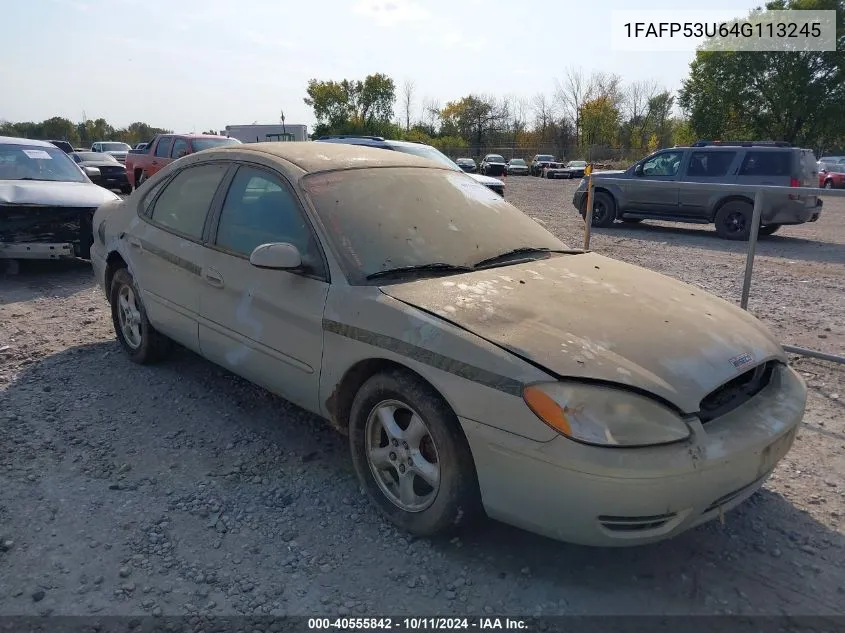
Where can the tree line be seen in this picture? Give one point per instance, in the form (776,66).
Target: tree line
(81,134)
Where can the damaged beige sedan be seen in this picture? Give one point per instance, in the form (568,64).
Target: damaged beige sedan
(476,363)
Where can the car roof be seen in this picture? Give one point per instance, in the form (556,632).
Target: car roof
(14,140)
(313,156)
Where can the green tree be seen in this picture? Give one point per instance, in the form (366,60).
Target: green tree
(475,118)
(599,121)
(791,96)
(353,106)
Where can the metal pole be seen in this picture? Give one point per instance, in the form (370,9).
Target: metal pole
(588,215)
(752,248)
(803,351)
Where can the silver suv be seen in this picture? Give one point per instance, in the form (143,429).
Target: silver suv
(740,163)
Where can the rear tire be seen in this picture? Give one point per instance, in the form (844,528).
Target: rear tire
(402,432)
(142,343)
(733,220)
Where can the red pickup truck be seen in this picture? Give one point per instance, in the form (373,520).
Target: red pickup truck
(164,149)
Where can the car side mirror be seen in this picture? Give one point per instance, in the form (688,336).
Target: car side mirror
(277,255)
(638,170)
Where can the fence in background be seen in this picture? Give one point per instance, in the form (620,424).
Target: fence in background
(760,192)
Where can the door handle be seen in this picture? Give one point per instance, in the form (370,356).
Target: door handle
(134,241)
(213,278)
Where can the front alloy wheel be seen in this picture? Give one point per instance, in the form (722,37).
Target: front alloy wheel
(402,456)
(411,456)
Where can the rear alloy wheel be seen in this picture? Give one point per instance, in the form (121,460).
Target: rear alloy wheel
(604,210)
(828,184)
(137,336)
(733,220)
(411,456)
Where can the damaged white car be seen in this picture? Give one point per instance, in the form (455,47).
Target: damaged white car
(476,363)
(46,202)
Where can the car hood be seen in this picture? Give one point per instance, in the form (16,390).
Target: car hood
(591,317)
(486,180)
(54,194)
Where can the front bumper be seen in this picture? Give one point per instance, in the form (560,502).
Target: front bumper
(579,200)
(622,497)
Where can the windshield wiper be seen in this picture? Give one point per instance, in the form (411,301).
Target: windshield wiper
(515,253)
(420,268)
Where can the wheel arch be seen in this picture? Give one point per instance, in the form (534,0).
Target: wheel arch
(339,403)
(727,199)
(114,262)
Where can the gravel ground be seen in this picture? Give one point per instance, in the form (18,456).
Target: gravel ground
(182,489)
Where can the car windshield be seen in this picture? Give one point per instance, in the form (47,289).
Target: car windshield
(207,143)
(427,151)
(546,158)
(495,158)
(517,161)
(385,218)
(99,157)
(115,147)
(578,163)
(34,162)
(465,161)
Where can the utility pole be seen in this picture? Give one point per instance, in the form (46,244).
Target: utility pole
(284,131)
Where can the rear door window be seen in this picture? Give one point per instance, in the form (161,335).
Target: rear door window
(766,164)
(184,204)
(710,164)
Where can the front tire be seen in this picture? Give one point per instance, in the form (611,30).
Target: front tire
(411,455)
(604,210)
(142,343)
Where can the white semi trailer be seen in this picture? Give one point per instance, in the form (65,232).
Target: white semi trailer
(264,133)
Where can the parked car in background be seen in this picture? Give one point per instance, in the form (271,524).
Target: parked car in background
(66,147)
(164,149)
(46,202)
(575,168)
(572,169)
(517,167)
(111,173)
(118,150)
(832,175)
(140,146)
(493,165)
(832,159)
(467,164)
(339,277)
(540,162)
(740,163)
(418,149)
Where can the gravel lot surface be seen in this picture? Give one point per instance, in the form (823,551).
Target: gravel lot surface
(182,489)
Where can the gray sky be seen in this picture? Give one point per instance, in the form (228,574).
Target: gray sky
(191,65)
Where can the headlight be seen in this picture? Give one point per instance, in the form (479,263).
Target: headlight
(604,416)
